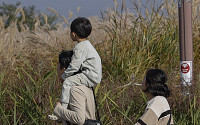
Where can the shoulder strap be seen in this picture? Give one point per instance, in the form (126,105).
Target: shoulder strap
(96,105)
(168,123)
(141,122)
(168,112)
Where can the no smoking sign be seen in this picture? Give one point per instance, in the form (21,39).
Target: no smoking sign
(186,72)
(185,68)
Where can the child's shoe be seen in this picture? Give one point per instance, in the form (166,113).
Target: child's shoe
(53,117)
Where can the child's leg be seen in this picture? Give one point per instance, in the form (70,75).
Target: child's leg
(64,99)
(78,80)
(65,93)
(74,80)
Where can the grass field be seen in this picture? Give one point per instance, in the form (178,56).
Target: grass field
(129,43)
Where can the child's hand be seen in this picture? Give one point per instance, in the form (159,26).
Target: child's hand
(61,79)
(58,103)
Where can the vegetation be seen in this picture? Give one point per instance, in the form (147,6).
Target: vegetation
(129,43)
(27,16)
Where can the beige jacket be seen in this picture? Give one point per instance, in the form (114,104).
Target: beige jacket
(152,116)
(81,106)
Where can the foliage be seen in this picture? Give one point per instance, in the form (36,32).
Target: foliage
(25,15)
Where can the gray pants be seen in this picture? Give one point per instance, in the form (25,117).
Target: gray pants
(75,80)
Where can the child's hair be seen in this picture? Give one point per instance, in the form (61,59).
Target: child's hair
(81,26)
(65,58)
(156,80)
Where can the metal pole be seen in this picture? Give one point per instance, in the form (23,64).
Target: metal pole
(185,41)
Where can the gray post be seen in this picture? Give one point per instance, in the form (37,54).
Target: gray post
(185,41)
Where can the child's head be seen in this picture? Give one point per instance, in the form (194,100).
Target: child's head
(81,26)
(155,83)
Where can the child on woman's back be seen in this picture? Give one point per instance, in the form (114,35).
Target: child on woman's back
(85,60)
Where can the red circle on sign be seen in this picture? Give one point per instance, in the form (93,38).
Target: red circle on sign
(185,68)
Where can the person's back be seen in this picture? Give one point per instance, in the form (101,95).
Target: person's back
(81,106)
(85,96)
(90,63)
(157,112)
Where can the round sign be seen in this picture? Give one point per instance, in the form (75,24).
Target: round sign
(185,68)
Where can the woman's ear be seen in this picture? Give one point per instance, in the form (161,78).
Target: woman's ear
(74,34)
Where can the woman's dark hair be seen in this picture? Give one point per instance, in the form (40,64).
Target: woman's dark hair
(81,26)
(65,58)
(156,80)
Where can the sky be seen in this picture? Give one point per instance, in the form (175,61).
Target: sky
(87,8)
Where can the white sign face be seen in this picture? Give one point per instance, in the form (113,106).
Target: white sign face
(186,72)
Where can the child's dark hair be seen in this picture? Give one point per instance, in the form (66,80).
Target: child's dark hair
(156,80)
(65,58)
(81,26)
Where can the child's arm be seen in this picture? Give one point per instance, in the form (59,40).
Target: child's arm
(77,60)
